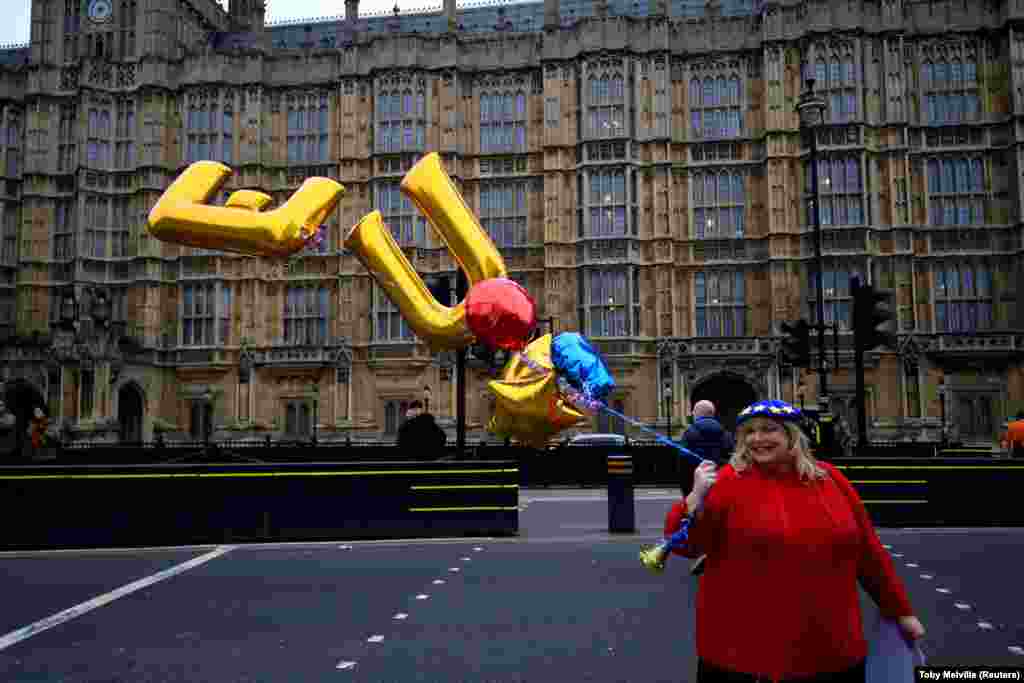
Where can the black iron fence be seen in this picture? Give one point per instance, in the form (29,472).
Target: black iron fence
(564,465)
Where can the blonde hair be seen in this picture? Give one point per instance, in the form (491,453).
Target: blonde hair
(807,466)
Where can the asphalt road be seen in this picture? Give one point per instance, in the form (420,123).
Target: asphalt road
(564,602)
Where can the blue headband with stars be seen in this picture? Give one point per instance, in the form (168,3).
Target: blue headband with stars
(776,410)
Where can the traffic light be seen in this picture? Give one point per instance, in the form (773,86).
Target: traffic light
(869,311)
(796,346)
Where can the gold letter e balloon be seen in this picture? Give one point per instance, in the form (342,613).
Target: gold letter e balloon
(430,188)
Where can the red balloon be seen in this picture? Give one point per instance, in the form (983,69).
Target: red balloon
(500,313)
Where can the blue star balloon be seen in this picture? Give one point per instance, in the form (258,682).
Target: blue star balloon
(581,366)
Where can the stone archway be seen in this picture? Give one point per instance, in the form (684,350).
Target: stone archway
(729,392)
(22,398)
(130,411)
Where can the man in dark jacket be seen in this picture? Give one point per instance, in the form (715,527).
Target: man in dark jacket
(420,434)
(707,438)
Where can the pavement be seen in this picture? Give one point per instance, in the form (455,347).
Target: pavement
(565,601)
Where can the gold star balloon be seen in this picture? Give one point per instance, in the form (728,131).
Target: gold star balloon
(528,406)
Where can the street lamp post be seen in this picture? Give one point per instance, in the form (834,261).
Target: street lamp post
(666,393)
(942,415)
(314,387)
(811,110)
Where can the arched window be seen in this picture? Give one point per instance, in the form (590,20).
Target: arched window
(715,107)
(719,201)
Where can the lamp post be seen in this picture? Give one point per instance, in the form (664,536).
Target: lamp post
(426,398)
(314,388)
(666,394)
(811,110)
(942,416)
(207,416)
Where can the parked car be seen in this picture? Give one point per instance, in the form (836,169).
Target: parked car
(598,439)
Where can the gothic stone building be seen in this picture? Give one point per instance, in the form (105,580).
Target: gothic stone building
(638,163)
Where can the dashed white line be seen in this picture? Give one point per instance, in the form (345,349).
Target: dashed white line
(477,549)
(466,559)
(453,569)
(962,606)
(78,610)
(985,626)
(943,590)
(887,547)
(913,565)
(422,596)
(927,577)
(346,665)
(375,639)
(438,582)
(897,554)
(400,616)
(1016,649)
(345,547)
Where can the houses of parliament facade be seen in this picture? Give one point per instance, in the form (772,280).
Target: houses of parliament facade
(638,163)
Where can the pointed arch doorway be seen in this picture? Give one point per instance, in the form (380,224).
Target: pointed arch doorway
(730,393)
(130,409)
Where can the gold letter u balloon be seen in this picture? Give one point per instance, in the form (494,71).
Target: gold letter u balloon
(182,215)
(435,195)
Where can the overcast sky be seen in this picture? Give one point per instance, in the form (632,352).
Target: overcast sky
(15,29)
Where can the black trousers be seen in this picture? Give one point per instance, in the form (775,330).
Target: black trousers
(706,673)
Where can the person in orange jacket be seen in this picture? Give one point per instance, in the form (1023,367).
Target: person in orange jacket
(1014,441)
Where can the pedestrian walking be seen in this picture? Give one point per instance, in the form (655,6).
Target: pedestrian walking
(420,435)
(787,539)
(707,438)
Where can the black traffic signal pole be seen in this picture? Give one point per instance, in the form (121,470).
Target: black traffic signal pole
(460,374)
(867,316)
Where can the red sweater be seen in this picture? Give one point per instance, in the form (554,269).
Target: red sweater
(779,593)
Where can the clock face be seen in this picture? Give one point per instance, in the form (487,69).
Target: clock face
(100,11)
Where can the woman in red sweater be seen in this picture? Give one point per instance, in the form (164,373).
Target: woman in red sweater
(787,539)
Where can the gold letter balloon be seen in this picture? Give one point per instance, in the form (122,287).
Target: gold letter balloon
(182,215)
(428,186)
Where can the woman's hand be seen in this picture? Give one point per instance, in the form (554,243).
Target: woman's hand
(704,478)
(911,628)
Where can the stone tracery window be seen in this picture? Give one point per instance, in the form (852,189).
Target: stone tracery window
(308,116)
(836,79)
(719,199)
(401,113)
(716,106)
(503,120)
(949,85)
(606,101)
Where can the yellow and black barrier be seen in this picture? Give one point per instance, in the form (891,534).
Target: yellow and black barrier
(621,507)
(153,505)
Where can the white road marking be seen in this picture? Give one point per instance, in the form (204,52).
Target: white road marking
(465,559)
(400,616)
(887,547)
(438,582)
(453,569)
(943,590)
(59,618)
(915,565)
(897,554)
(927,577)
(346,665)
(422,596)
(477,549)
(344,547)
(961,605)
(375,639)
(985,626)
(1016,649)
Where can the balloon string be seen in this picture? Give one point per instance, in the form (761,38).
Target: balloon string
(579,399)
